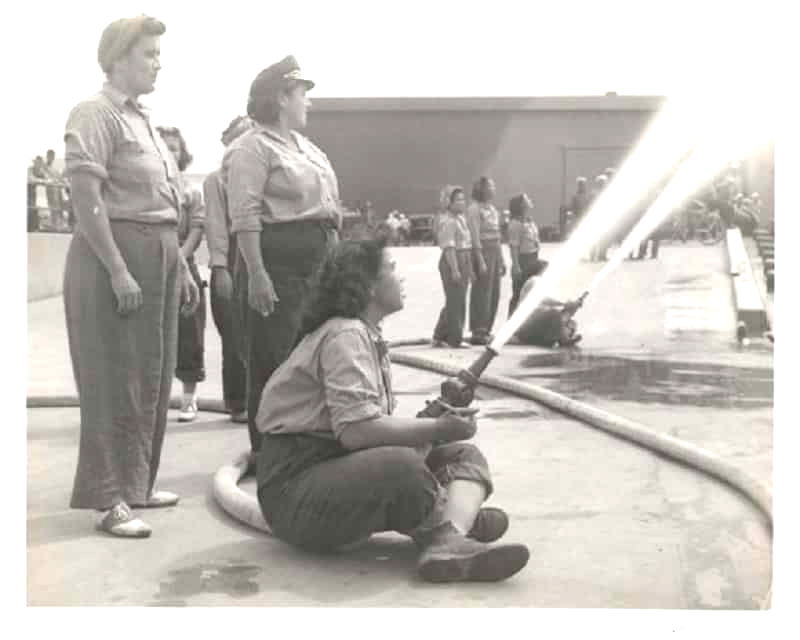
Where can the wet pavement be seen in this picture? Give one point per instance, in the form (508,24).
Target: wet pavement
(582,376)
(609,524)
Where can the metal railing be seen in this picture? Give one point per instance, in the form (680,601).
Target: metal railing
(49,206)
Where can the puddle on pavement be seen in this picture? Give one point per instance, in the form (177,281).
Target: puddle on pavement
(234,580)
(651,381)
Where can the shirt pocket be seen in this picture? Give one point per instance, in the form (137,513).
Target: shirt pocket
(293,181)
(134,164)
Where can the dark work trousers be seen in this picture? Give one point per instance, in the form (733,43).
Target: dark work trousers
(450,327)
(529,265)
(655,240)
(319,496)
(485,290)
(191,335)
(223,311)
(292,252)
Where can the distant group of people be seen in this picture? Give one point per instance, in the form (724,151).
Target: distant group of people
(723,205)
(299,313)
(580,203)
(472,263)
(48,196)
(720,206)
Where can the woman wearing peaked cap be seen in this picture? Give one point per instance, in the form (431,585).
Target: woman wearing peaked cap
(283,200)
(124,281)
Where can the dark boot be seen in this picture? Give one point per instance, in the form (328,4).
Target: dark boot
(490,525)
(449,556)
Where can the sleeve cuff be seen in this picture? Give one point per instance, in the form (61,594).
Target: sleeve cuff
(356,412)
(86,166)
(246,224)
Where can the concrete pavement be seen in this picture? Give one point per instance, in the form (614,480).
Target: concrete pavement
(608,524)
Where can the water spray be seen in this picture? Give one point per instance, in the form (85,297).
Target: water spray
(459,391)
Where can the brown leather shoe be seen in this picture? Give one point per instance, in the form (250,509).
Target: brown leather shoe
(451,557)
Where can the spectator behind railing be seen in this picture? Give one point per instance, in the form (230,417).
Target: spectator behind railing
(47,191)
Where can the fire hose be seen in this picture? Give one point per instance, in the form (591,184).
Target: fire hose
(458,390)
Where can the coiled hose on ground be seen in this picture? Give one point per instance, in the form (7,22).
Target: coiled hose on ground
(244,507)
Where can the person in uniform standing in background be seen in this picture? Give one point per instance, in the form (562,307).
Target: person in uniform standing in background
(124,282)
(483,220)
(55,199)
(578,204)
(455,268)
(283,197)
(191,328)
(523,244)
(599,249)
(225,303)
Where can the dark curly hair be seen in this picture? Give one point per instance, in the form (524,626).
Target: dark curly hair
(480,189)
(185,158)
(341,285)
(517,206)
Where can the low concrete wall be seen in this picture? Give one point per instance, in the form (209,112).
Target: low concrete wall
(750,307)
(47,254)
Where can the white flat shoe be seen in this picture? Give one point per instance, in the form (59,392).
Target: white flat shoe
(188,411)
(120,521)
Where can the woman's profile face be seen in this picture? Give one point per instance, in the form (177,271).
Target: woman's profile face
(389,292)
(296,107)
(489,192)
(458,202)
(141,64)
(527,208)
(174,146)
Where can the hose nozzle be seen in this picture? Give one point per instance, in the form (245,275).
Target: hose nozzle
(459,391)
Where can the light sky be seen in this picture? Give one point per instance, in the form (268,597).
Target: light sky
(410,48)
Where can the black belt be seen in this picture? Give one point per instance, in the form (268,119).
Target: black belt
(299,224)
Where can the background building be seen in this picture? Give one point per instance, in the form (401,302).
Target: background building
(398,152)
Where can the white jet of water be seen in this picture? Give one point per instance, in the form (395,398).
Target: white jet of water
(667,140)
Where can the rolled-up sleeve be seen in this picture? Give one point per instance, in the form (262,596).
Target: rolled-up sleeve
(89,140)
(350,377)
(196,209)
(248,171)
(216,222)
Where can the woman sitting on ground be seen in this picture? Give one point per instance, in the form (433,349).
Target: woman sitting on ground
(552,324)
(335,465)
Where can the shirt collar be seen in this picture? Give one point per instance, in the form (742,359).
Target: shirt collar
(118,98)
(376,335)
(273,135)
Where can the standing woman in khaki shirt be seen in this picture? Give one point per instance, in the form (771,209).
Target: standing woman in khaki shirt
(283,200)
(455,268)
(484,225)
(191,328)
(124,281)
